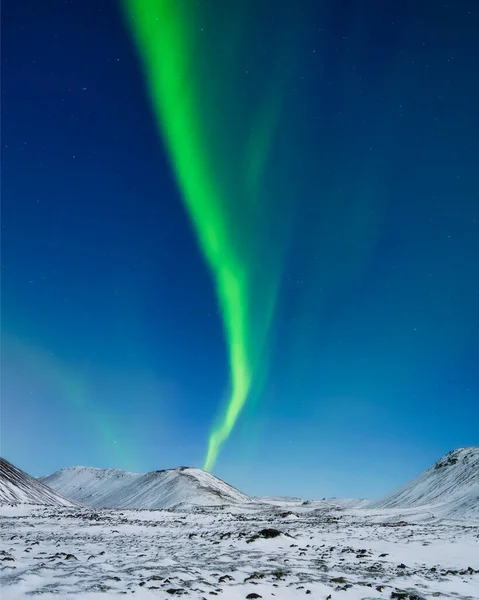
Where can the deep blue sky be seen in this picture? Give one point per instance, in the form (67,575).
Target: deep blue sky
(113,351)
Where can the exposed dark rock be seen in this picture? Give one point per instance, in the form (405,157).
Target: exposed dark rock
(264,533)
(255,576)
(269,533)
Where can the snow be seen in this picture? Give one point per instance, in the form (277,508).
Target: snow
(92,553)
(420,542)
(286,501)
(112,488)
(17,487)
(88,485)
(447,490)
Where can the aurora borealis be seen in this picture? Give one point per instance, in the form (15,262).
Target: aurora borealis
(176,68)
(248,222)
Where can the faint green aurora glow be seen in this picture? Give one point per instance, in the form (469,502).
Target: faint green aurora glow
(191,106)
(62,381)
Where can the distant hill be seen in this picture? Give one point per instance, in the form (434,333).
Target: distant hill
(171,488)
(292,501)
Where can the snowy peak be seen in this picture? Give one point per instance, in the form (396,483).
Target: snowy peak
(171,488)
(463,456)
(17,487)
(88,485)
(174,488)
(450,488)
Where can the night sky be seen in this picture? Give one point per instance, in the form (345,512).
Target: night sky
(241,235)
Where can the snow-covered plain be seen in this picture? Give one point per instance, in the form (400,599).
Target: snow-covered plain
(325,552)
(205,538)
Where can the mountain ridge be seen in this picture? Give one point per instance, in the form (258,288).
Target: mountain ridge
(159,489)
(449,488)
(18,487)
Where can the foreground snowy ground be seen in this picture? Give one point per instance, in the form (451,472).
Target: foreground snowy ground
(322,551)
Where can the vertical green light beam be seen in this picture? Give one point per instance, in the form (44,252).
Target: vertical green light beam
(160,30)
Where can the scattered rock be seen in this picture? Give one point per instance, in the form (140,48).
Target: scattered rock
(279,574)
(266,534)
(254,576)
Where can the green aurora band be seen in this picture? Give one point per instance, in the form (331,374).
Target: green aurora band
(69,386)
(221,198)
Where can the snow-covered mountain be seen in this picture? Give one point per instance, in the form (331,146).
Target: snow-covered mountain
(17,487)
(171,488)
(449,489)
(89,485)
